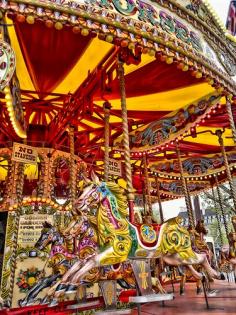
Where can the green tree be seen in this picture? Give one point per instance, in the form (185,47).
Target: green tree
(210,202)
(213,231)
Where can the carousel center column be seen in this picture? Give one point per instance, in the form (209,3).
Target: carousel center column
(128,169)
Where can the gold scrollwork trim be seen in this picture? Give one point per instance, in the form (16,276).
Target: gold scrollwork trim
(166,41)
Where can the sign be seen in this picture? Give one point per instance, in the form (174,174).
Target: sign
(30,227)
(24,153)
(114,167)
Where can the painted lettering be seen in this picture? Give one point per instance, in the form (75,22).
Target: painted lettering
(182,32)
(166,22)
(147,13)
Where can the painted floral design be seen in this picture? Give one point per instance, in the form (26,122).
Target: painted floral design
(27,278)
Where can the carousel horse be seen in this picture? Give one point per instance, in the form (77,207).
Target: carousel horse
(119,239)
(65,250)
(227,261)
(60,261)
(199,245)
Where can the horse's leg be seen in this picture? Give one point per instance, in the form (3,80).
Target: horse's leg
(37,288)
(156,284)
(234,271)
(199,286)
(199,259)
(70,273)
(90,264)
(93,262)
(62,284)
(182,283)
(197,275)
(213,274)
(71,278)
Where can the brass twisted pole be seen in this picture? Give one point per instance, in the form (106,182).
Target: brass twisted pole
(128,169)
(190,202)
(73,166)
(19,178)
(185,189)
(227,168)
(231,117)
(217,216)
(147,185)
(48,174)
(159,200)
(221,206)
(106,107)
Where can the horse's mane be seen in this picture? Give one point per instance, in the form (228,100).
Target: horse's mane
(200,227)
(121,198)
(107,231)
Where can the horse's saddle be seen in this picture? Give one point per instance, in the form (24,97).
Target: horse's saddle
(148,233)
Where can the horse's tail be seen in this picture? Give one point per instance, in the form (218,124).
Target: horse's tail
(174,238)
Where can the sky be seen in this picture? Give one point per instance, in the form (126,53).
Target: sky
(172,208)
(221,7)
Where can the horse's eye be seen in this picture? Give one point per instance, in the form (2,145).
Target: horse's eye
(95,195)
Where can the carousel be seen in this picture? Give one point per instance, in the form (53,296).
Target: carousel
(108,107)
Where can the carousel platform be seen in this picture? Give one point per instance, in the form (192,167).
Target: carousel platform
(220,303)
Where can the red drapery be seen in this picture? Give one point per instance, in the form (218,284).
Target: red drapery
(49,54)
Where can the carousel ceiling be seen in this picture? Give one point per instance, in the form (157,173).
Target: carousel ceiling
(66,75)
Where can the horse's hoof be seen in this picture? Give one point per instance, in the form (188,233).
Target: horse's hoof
(53,303)
(21,303)
(7,304)
(83,282)
(222,276)
(212,293)
(199,290)
(181,292)
(72,288)
(61,287)
(44,301)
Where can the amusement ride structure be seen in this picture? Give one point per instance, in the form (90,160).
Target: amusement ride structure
(106,105)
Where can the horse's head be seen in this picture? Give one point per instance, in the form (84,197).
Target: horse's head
(200,227)
(49,234)
(233,220)
(91,195)
(108,199)
(232,237)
